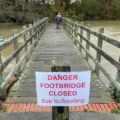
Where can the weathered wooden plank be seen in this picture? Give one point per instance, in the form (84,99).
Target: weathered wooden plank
(111,41)
(90,31)
(21,100)
(33,94)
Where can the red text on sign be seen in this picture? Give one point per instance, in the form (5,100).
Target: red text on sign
(65,85)
(62,93)
(62,77)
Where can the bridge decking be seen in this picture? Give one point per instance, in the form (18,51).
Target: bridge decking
(54,45)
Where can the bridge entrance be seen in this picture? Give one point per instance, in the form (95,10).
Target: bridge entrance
(55,45)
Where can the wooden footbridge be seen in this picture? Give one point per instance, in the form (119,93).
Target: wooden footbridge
(42,44)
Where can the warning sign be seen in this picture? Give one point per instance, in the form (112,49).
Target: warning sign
(63,88)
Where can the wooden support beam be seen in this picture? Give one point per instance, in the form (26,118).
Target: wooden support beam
(81,32)
(1,75)
(118,74)
(16,46)
(60,113)
(98,57)
(87,44)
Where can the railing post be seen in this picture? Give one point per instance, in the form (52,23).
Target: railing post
(118,74)
(41,30)
(37,34)
(60,113)
(76,34)
(73,32)
(34,29)
(87,44)
(67,26)
(71,27)
(16,46)
(26,46)
(81,33)
(24,27)
(2,92)
(14,32)
(64,21)
(98,56)
(30,25)
(78,37)
(1,75)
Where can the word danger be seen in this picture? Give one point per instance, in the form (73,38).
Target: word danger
(62,77)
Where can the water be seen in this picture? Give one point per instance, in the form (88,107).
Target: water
(6,29)
(111,29)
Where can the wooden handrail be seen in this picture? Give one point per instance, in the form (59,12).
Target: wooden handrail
(31,41)
(106,38)
(70,26)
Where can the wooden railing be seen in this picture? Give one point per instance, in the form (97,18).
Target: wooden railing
(30,38)
(76,31)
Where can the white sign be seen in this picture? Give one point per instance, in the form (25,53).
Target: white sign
(63,88)
(1,39)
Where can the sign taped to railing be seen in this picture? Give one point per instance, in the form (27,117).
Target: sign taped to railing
(63,88)
(1,39)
